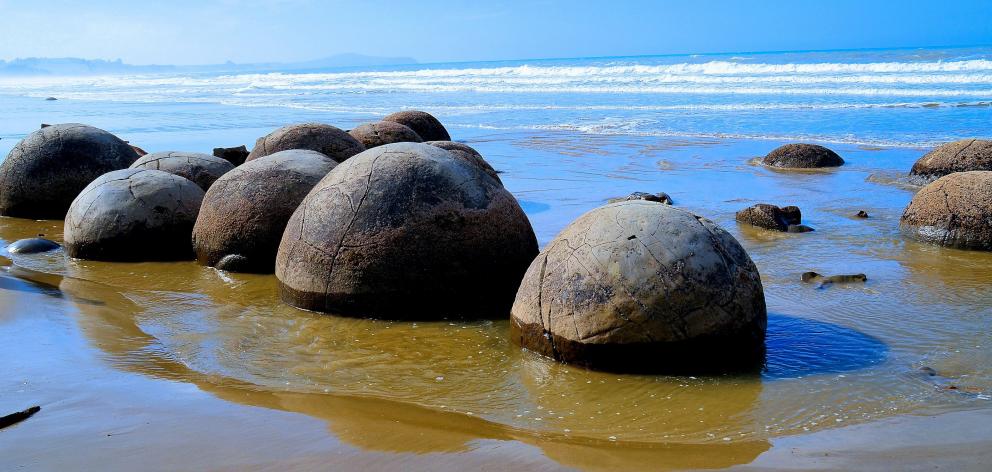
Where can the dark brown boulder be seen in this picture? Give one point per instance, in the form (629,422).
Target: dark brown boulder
(767,216)
(406,231)
(245,211)
(954,210)
(235,155)
(642,287)
(959,156)
(384,132)
(133,215)
(47,169)
(422,123)
(202,169)
(325,139)
(802,156)
(468,154)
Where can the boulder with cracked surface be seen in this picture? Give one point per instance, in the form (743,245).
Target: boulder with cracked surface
(954,210)
(133,215)
(46,170)
(202,169)
(467,153)
(959,156)
(635,286)
(325,139)
(406,231)
(245,211)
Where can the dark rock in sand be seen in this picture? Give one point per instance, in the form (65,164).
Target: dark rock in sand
(384,132)
(825,280)
(202,169)
(234,155)
(954,210)
(802,156)
(638,286)
(245,211)
(325,139)
(406,231)
(469,154)
(32,246)
(660,197)
(51,99)
(422,123)
(47,170)
(862,214)
(775,218)
(959,156)
(133,215)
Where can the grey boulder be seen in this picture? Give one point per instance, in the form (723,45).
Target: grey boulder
(202,169)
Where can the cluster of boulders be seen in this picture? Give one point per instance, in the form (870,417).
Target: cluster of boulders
(763,215)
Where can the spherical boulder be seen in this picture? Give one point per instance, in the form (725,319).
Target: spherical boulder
(959,156)
(643,287)
(245,211)
(47,170)
(771,217)
(421,122)
(469,154)
(406,231)
(802,156)
(384,132)
(325,139)
(202,169)
(954,210)
(133,215)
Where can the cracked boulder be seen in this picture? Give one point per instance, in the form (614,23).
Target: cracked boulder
(802,156)
(422,123)
(771,217)
(47,169)
(635,286)
(325,139)
(959,156)
(954,211)
(406,231)
(245,211)
(202,169)
(133,215)
(469,154)
(384,132)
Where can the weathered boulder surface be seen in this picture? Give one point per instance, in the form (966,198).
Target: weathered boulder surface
(384,132)
(235,155)
(802,156)
(424,124)
(202,169)
(47,169)
(959,156)
(406,231)
(638,286)
(325,139)
(133,215)
(954,210)
(245,211)
(32,246)
(469,154)
(772,217)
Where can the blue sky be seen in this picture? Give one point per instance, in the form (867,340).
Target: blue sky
(212,31)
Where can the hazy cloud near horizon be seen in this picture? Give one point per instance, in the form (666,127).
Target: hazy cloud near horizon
(214,31)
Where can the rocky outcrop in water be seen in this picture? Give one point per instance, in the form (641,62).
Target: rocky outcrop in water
(802,156)
(424,124)
(325,139)
(763,215)
(638,286)
(954,210)
(959,156)
(384,132)
(202,169)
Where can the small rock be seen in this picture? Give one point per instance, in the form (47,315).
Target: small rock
(824,280)
(862,214)
(799,229)
(234,155)
(15,418)
(660,197)
(50,99)
(763,215)
(32,246)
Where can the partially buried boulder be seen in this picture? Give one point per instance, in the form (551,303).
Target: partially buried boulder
(641,287)
(202,169)
(802,156)
(469,154)
(406,231)
(325,139)
(775,218)
(959,156)
(235,155)
(47,170)
(384,132)
(133,215)
(32,246)
(954,210)
(245,211)
(424,124)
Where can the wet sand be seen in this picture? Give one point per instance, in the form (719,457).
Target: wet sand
(166,366)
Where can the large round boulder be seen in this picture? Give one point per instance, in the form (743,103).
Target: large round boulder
(384,132)
(802,156)
(954,210)
(469,154)
(47,170)
(959,156)
(245,211)
(202,169)
(133,215)
(642,287)
(406,231)
(421,122)
(325,139)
